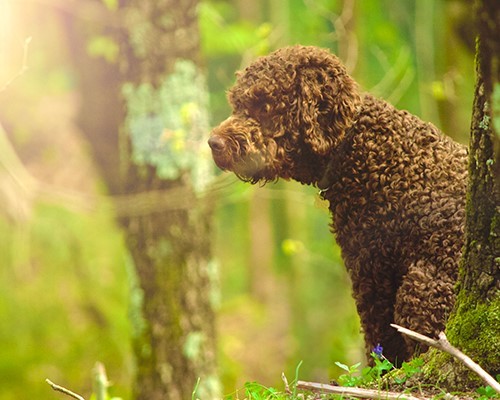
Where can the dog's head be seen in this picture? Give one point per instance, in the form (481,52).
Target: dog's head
(290,110)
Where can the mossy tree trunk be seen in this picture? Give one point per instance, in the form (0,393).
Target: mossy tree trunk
(145,114)
(165,124)
(474,326)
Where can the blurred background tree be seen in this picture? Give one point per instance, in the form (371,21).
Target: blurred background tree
(144,112)
(68,289)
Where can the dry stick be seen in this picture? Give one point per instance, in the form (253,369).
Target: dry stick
(356,392)
(444,345)
(61,389)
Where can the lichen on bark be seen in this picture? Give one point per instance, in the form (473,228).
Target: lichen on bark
(167,124)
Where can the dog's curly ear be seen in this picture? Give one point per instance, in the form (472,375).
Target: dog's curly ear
(328,101)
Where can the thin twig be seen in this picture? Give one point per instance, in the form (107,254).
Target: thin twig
(444,345)
(61,389)
(356,392)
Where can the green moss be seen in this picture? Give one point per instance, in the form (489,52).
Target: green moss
(475,328)
(436,368)
(443,371)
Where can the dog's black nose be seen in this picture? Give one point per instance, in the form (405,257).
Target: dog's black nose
(216,143)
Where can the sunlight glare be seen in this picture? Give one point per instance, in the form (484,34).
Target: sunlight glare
(5,28)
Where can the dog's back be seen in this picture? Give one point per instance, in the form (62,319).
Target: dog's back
(396,187)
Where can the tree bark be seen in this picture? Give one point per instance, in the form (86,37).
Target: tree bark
(171,248)
(474,326)
(146,118)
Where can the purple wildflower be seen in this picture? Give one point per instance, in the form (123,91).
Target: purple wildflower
(378,349)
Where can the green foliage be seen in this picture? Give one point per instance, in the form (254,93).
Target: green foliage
(409,369)
(221,36)
(387,66)
(312,21)
(355,377)
(349,378)
(63,303)
(487,392)
(256,391)
(368,375)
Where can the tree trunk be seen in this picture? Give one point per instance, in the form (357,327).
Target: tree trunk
(166,119)
(146,114)
(474,326)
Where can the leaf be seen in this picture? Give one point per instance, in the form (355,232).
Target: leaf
(342,366)
(353,368)
(486,392)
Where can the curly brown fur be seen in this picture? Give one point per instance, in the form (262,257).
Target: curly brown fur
(396,185)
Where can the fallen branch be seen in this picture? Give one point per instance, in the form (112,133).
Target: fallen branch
(444,345)
(61,389)
(356,392)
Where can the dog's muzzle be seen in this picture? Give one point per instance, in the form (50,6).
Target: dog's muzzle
(217,144)
(221,152)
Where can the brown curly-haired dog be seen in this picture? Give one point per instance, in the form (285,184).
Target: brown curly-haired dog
(396,185)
